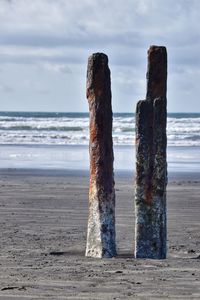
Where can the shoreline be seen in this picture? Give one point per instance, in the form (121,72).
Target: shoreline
(76,157)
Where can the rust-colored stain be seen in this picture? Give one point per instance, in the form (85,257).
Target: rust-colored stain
(148,194)
(99,83)
(101,225)
(98,93)
(147,122)
(151,160)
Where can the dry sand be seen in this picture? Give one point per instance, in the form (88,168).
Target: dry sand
(43,219)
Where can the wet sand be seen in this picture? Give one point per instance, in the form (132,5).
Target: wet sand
(43,219)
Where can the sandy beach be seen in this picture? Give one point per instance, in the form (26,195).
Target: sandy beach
(43,218)
(106,88)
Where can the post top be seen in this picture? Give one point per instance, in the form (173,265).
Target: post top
(157,72)
(99,56)
(154,48)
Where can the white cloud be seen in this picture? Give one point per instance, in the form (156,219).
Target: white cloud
(58,35)
(129,80)
(47,27)
(6,88)
(57,68)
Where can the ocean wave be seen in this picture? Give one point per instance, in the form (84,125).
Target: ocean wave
(193,138)
(33,128)
(73,128)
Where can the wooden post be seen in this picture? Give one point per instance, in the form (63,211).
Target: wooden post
(101,221)
(151,165)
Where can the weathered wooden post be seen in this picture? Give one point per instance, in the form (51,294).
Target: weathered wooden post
(151,165)
(101,221)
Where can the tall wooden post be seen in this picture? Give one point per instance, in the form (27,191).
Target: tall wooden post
(151,165)
(101,221)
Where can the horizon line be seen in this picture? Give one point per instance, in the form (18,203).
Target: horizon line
(86,112)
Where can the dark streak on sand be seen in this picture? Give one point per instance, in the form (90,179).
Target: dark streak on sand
(43,237)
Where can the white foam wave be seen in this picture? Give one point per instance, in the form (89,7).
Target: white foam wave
(68,130)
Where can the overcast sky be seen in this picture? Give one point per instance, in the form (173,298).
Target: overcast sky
(45,44)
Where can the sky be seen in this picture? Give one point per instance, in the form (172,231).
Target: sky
(45,45)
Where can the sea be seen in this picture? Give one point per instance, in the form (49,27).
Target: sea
(50,140)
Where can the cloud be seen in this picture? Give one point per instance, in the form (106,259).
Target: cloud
(55,67)
(34,85)
(29,55)
(42,29)
(58,36)
(129,80)
(42,91)
(6,88)
(26,22)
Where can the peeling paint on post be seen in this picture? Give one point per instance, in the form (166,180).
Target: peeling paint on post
(101,221)
(151,165)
